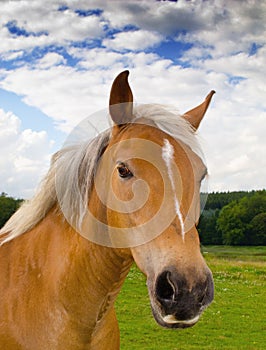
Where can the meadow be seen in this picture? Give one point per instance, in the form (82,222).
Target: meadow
(235,320)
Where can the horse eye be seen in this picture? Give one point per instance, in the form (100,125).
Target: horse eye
(124,171)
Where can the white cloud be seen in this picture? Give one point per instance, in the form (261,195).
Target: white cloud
(24,156)
(51,59)
(61,92)
(97,58)
(12,55)
(227,30)
(44,25)
(137,40)
(164,17)
(235,146)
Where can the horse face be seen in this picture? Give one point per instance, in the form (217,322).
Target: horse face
(159,178)
(166,249)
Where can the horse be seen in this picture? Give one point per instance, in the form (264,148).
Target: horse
(129,195)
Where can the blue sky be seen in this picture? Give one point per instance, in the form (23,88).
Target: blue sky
(58,60)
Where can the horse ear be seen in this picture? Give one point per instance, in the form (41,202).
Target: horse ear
(121,100)
(195,115)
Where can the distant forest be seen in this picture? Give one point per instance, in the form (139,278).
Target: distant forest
(229,218)
(234,218)
(8,206)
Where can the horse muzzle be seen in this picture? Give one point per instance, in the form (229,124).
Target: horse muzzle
(175,304)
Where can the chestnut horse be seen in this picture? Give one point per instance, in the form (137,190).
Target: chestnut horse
(130,194)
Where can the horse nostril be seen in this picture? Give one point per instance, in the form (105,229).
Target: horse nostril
(208,292)
(201,298)
(166,290)
(205,292)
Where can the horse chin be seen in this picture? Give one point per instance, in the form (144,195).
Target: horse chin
(170,321)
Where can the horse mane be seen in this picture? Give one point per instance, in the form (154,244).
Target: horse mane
(68,164)
(75,166)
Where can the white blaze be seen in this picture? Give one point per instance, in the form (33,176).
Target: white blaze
(168,157)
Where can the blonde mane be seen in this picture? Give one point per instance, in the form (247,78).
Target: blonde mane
(75,167)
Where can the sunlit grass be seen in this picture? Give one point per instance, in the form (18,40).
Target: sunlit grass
(235,320)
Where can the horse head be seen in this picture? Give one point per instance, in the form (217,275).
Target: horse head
(151,180)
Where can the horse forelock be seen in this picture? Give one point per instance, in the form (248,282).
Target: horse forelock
(73,167)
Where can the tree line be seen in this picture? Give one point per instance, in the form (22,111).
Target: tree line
(234,218)
(229,218)
(8,206)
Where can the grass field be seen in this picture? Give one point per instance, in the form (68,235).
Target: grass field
(235,320)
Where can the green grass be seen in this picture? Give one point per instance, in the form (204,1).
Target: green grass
(235,320)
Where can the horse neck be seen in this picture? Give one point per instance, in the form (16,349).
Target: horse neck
(86,277)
